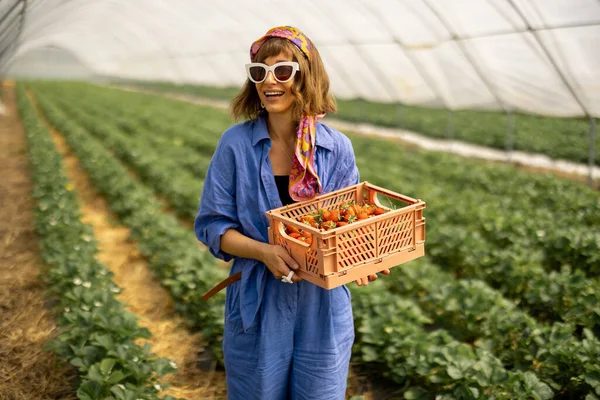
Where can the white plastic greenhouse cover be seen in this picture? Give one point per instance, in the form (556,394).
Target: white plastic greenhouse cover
(536,56)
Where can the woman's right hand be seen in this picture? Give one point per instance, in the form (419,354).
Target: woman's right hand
(279,262)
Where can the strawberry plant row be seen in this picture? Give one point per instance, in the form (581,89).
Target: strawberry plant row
(556,217)
(171,146)
(197,127)
(173,253)
(578,294)
(570,296)
(488,179)
(468,379)
(478,314)
(182,188)
(558,138)
(98,335)
(432,364)
(565,295)
(566,138)
(176,133)
(518,270)
(564,241)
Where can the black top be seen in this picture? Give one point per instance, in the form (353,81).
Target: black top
(283,182)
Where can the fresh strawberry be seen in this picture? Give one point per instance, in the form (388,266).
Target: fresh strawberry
(328,225)
(308,219)
(335,216)
(292,229)
(349,213)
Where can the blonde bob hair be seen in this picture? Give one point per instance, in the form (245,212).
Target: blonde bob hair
(310,86)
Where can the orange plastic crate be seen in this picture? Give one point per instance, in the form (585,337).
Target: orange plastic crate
(347,253)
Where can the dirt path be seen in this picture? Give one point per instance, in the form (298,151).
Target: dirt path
(27,371)
(142,292)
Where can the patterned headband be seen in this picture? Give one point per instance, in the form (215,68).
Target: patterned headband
(286,32)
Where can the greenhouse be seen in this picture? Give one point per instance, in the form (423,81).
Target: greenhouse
(469,249)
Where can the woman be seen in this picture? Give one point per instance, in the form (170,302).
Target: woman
(281,340)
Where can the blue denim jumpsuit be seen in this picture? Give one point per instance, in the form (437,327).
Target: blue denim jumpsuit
(281,341)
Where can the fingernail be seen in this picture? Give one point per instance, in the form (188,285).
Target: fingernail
(295,266)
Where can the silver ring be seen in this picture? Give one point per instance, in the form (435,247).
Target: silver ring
(288,279)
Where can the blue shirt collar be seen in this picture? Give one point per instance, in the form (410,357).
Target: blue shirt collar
(260,132)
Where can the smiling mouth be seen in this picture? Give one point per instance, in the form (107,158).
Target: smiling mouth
(273,94)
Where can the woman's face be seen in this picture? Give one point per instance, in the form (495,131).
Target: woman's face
(276,96)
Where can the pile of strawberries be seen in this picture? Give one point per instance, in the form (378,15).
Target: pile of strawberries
(345,214)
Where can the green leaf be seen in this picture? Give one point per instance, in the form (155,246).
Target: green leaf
(369,354)
(162,366)
(90,390)
(94,374)
(436,378)
(415,393)
(105,341)
(131,395)
(542,390)
(117,377)
(454,372)
(119,391)
(593,379)
(107,365)
(78,362)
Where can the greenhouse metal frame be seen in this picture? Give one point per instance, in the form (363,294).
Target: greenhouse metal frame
(518,56)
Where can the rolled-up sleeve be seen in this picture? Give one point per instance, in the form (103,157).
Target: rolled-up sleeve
(217,211)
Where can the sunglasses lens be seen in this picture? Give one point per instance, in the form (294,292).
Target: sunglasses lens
(283,72)
(257,73)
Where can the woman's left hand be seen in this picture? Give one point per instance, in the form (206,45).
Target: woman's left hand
(370,278)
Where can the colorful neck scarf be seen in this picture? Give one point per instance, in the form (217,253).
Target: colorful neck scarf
(304,181)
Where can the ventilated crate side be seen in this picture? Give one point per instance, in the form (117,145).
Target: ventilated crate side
(343,254)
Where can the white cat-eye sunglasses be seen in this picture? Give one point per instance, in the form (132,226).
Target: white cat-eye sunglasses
(282,71)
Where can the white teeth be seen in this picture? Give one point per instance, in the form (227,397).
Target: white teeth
(273,93)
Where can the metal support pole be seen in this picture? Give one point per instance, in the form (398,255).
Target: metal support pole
(510,134)
(450,125)
(592,155)
(7,38)
(550,58)
(399,112)
(12,8)
(14,42)
(462,48)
